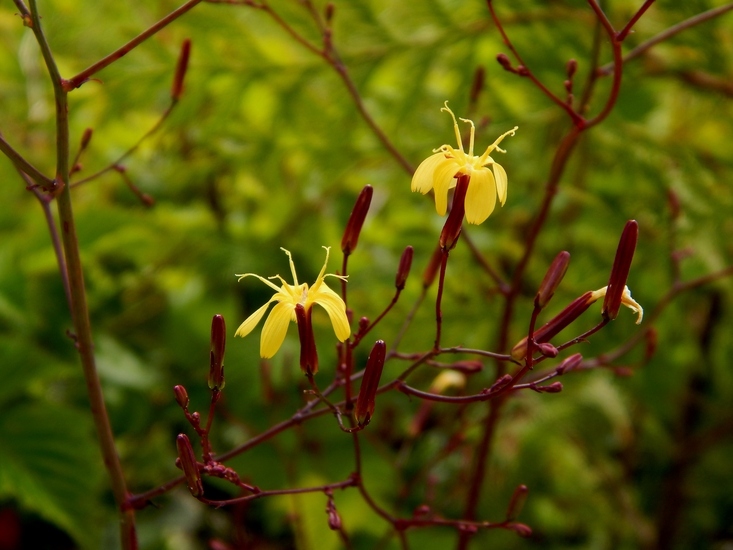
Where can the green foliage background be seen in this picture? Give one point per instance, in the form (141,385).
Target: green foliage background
(267,149)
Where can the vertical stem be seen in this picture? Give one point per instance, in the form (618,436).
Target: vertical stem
(79,309)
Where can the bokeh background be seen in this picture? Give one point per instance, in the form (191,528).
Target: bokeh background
(267,149)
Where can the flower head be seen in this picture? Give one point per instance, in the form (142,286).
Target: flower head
(626,300)
(487,178)
(287,297)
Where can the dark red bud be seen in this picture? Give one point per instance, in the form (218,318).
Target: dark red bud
(356,220)
(623,372)
(308,352)
(454,223)
(620,269)
(363,324)
(329,11)
(218,344)
(431,270)
(505,62)
(404,268)
(520,529)
(370,383)
(547,349)
(334,519)
(181,396)
(571,363)
(522,70)
(568,86)
(181,68)
(196,418)
(545,333)
(555,387)
(467,367)
(86,138)
(189,465)
(478,84)
(502,382)
(570,67)
(673,201)
(517,502)
(553,277)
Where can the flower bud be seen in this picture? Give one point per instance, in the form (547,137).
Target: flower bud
(453,225)
(673,201)
(555,387)
(517,502)
(520,529)
(547,349)
(370,383)
(308,352)
(86,138)
(181,396)
(651,338)
(334,519)
(505,62)
(181,68)
(548,331)
(356,220)
(552,279)
(404,268)
(620,270)
(467,367)
(363,324)
(571,363)
(570,67)
(431,270)
(216,356)
(189,465)
(478,84)
(328,12)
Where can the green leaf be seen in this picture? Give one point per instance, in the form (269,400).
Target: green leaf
(50,466)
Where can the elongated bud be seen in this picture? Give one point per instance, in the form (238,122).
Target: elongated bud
(673,201)
(553,277)
(620,269)
(404,268)
(218,343)
(308,352)
(181,396)
(370,383)
(328,12)
(555,387)
(181,68)
(517,502)
(86,138)
(334,519)
(187,460)
(356,220)
(548,331)
(467,367)
(570,67)
(431,270)
(571,363)
(478,84)
(651,339)
(454,223)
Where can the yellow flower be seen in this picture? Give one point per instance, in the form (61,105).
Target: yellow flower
(287,297)
(626,300)
(438,171)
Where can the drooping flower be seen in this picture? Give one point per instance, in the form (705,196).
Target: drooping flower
(487,178)
(626,300)
(287,297)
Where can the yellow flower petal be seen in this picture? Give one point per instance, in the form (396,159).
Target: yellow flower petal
(276,326)
(442,179)
(501,182)
(336,309)
(422,180)
(481,196)
(251,322)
